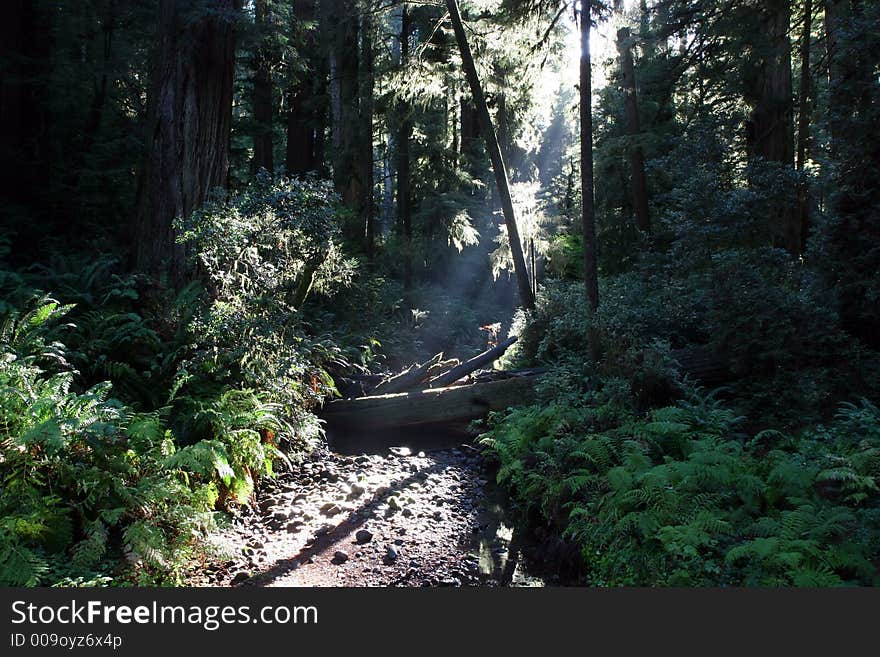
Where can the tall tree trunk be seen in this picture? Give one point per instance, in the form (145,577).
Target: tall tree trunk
(305,115)
(591,271)
(262,91)
(770,131)
(189,118)
(342,22)
(633,131)
(836,12)
(25,55)
(519,263)
(804,107)
(404,136)
(365,155)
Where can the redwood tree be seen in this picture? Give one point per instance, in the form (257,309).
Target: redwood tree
(188,124)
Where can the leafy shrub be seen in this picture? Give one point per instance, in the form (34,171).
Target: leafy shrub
(261,254)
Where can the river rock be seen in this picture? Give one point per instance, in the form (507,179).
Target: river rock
(339,557)
(363,536)
(240,576)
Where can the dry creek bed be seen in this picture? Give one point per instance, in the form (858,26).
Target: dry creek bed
(394,519)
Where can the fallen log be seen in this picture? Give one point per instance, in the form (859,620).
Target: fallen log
(408,379)
(471,365)
(453,404)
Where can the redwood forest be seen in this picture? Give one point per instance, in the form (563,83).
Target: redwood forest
(440,293)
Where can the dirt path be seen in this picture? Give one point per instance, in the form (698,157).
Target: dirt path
(399,519)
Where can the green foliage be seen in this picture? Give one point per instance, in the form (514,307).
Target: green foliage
(84,477)
(678,497)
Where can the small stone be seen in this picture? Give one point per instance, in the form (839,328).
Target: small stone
(294,526)
(438,515)
(363,536)
(394,503)
(357,490)
(240,576)
(391,553)
(330,509)
(407,513)
(280,516)
(339,557)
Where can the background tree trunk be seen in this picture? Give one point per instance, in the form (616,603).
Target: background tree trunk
(519,263)
(305,116)
(804,109)
(263,91)
(25,52)
(341,21)
(365,152)
(633,130)
(189,118)
(770,133)
(404,136)
(591,272)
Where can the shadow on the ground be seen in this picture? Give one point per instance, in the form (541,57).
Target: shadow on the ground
(356,519)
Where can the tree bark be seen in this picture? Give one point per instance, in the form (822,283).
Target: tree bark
(769,135)
(804,107)
(305,116)
(342,23)
(591,272)
(263,91)
(365,153)
(519,263)
(189,119)
(633,131)
(26,50)
(404,136)
(836,12)
(441,405)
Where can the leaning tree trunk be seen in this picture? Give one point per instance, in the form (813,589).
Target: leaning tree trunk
(262,91)
(591,272)
(189,118)
(633,131)
(486,128)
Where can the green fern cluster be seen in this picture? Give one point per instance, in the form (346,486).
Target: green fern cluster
(87,481)
(678,498)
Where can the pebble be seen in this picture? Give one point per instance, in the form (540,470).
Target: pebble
(363,536)
(240,576)
(339,557)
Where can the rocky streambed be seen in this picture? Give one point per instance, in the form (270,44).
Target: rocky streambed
(394,518)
